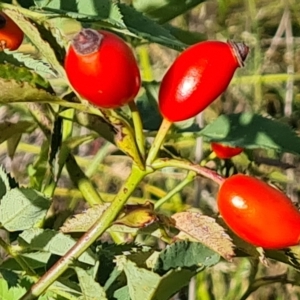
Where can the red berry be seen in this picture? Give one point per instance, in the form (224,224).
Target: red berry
(11,36)
(224,152)
(102,69)
(197,77)
(259,213)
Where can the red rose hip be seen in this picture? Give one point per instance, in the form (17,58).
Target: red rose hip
(197,77)
(11,36)
(102,69)
(258,213)
(224,151)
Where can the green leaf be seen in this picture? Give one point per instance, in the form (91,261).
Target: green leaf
(38,168)
(124,135)
(147,285)
(252,131)
(63,30)
(164,10)
(144,27)
(8,129)
(7,56)
(19,59)
(75,141)
(123,18)
(66,286)
(112,280)
(90,288)
(141,282)
(6,182)
(93,10)
(10,276)
(186,36)
(35,260)
(148,108)
(26,60)
(99,12)
(33,32)
(55,144)
(22,74)
(12,293)
(173,282)
(97,124)
(43,115)
(53,242)
(105,9)
(115,128)
(122,294)
(22,208)
(12,144)
(185,255)
(13,91)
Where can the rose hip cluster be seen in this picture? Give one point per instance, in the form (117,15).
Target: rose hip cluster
(102,69)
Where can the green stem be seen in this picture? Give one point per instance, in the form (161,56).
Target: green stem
(90,236)
(158,141)
(98,159)
(83,183)
(187,165)
(88,191)
(189,178)
(138,128)
(9,250)
(145,63)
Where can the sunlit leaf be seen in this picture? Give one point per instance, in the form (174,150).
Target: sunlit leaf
(51,241)
(22,208)
(184,254)
(91,289)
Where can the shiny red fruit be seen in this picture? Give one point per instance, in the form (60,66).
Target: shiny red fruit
(11,36)
(259,213)
(225,152)
(197,77)
(102,69)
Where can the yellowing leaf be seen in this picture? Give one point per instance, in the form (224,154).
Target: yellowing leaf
(138,218)
(138,215)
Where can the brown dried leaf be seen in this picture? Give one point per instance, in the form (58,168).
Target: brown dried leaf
(83,222)
(204,229)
